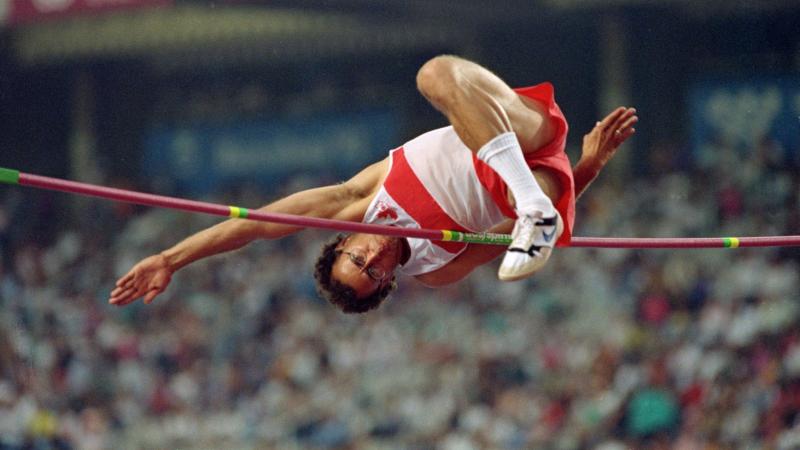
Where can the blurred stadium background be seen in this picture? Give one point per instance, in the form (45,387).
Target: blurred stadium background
(243,101)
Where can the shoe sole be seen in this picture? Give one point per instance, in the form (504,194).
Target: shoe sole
(519,276)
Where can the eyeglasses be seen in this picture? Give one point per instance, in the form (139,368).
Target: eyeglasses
(375,272)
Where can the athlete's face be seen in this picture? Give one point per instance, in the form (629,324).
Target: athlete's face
(366,262)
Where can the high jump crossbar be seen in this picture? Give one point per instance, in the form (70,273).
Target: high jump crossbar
(10,176)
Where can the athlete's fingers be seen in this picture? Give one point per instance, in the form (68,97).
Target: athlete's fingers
(629,122)
(125,279)
(122,296)
(119,292)
(128,285)
(624,125)
(606,123)
(152,294)
(623,118)
(128,295)
(629,132)
(623,135)
(613,116)
(116,291)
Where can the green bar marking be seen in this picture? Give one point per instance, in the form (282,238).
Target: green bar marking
(731,242)
(9,176)
(237,212)
(487,238)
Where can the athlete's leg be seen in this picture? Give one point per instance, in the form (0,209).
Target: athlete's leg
(490,118)
(549,183)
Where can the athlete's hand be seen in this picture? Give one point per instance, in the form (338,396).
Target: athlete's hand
(600,144)
(146,279)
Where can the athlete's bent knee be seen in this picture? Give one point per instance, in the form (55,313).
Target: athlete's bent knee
(435,79)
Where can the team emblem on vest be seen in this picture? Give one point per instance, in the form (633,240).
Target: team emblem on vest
(385,212)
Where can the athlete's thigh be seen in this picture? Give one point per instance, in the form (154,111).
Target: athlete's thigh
(528,120)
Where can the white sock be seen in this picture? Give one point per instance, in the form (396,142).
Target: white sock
(504,155)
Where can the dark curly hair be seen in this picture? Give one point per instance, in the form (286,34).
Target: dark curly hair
(340,294)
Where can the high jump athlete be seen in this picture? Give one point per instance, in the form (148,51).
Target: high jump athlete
(500,166)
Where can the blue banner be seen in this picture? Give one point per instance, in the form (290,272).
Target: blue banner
(741,113)
(199,158)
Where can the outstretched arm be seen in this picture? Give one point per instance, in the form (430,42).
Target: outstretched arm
(346,201)
(600,144)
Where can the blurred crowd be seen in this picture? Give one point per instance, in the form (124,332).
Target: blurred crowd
(604,349)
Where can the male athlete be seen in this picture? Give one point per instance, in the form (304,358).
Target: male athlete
(501,164)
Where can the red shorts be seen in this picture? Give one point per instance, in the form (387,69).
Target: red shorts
(551,157)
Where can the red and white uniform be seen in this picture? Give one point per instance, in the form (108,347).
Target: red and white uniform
(436,182)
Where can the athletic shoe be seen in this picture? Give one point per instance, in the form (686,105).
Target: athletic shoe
(532,242)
